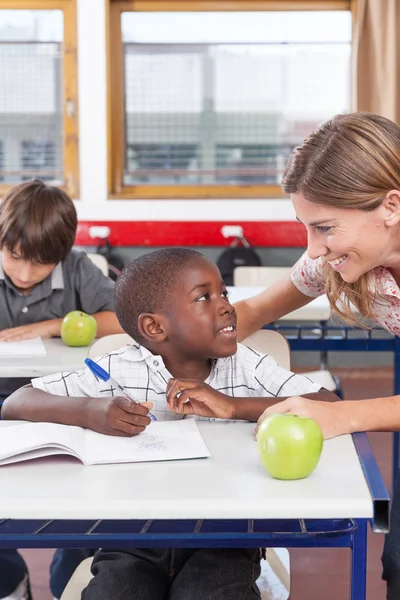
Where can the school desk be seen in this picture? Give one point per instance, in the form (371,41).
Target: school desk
(59,357)
(317,310)
(226,500)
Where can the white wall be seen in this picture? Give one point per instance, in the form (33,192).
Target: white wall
(93,202)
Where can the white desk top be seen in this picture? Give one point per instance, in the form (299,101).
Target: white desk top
(59,358)
(317,310)
(231,484)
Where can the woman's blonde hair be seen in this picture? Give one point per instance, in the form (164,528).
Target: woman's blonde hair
(352,161)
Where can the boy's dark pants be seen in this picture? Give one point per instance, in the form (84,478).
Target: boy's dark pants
(391,550)
(12,571)
(176,574)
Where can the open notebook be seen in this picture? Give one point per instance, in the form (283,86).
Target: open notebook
(167,440)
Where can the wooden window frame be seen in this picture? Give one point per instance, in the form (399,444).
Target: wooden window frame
(70,87)
(115,76)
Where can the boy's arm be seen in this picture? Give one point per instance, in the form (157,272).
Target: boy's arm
(114,415)
(43,329)
(107,323)
(193,397)
(250,409)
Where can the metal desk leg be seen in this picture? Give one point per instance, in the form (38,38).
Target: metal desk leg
(359,562)
(396,367)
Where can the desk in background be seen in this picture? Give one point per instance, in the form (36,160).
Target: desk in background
(59,357)
(317,310)
(223,501)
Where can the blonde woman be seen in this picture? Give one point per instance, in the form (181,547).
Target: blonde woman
(344,182)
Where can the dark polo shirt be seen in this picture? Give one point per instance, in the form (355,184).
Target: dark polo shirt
(74,284)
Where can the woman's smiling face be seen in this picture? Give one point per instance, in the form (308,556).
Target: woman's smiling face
(352,241)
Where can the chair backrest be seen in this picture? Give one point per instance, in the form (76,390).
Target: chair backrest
(100,262)
(270,342)
(258,276)
(109,343)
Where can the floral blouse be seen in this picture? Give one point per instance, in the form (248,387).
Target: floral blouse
(307,276)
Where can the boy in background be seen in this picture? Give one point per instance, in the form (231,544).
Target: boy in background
(41,280)
(174,303)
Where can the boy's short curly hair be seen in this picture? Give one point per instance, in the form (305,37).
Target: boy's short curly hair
(145,285)
(39,220)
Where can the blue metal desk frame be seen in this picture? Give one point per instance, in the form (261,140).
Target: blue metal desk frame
(345,339)
(326,533)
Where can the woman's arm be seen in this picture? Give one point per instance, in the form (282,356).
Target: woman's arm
(273,303)
(338,418)
(107,323)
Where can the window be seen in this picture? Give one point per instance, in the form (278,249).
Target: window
(244,163)
(38,159)
(211,103)
(160,163)
(37,93)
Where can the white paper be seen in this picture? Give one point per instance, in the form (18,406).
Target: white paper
(165,440)
(162,440)
(33,347)
(42,439)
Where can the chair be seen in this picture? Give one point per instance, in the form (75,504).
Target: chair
(100,262)
(270,342)
(109,343)
(260,276)
(275,571)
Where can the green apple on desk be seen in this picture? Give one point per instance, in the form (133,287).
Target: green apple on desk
(78,328)
(289,446)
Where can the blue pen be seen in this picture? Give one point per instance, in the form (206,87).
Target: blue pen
(99,372)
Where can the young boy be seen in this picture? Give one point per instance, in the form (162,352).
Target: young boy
(41,280)
(174,304)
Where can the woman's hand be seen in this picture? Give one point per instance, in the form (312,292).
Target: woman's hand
(194,397)
(333,417)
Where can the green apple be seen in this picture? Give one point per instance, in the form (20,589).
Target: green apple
(289,446)
(78,328)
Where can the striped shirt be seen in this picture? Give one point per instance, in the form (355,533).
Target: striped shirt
(144,376)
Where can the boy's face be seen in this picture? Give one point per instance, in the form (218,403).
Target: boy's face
(24,274)
(200,322)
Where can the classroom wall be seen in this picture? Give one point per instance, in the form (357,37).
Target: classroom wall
(93,201)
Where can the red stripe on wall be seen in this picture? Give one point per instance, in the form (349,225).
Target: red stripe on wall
(193,233)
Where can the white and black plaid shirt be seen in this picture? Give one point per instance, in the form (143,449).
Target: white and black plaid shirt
(144,376)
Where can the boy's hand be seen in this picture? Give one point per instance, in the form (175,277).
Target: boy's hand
(44,329)
(193,397)
(117,415)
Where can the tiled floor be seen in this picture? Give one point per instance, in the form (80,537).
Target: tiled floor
(315,574)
